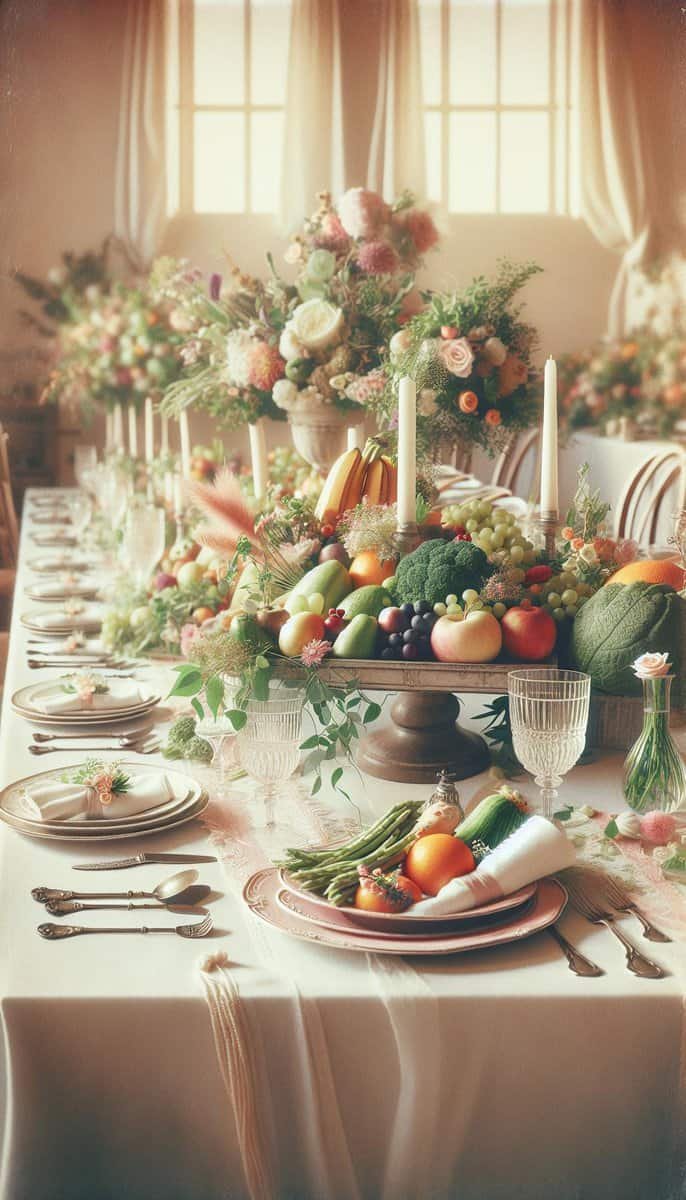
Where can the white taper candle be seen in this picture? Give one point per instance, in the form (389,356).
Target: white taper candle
(133,431)
(109,431)
(178,495)
(407,452)
(149,431)
(356,437)
(164,434)
(185,437)
(549,447)
(258,458)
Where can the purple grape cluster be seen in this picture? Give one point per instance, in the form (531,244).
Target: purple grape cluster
(410,637)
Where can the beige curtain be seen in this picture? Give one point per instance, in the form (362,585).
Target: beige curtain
(627,159)
(313,136)
(140,182)
(396,152)
(354,102)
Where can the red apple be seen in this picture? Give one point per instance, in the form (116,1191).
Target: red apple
(393,620)
(300,629)
(164,580)
(474,638)
(528,633)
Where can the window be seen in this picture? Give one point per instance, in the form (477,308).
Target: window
(228,61)
(499,104)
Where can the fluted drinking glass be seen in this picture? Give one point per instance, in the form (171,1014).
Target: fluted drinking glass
(548,718)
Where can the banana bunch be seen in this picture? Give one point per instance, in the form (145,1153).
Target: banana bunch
(355,476)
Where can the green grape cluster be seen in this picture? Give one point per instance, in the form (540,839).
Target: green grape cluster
(493,529)
(564,594)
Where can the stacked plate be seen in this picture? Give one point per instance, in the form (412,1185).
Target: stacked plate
(29,702)
(82,588)
(49,564)
(54,537)
(279,901)
(188,802)
(55,516)
(59,621)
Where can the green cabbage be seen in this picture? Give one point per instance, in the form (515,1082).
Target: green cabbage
(619,623)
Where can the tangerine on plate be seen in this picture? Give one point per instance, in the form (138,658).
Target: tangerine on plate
(367,569)
(436,859)
(650,570)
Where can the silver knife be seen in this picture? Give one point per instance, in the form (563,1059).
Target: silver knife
(139,860)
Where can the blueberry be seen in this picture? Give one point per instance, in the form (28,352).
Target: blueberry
(410,636)
(429,620)
(388,653)
(422,606)
(395,639)
(410,652)
(408,610)
(417,622)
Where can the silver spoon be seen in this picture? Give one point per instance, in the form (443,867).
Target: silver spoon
(150,748)
(55,932)
(166,892)
(135,735)
(62,908)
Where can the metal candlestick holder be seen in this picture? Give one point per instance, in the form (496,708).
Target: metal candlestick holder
(407,537)
(547,523)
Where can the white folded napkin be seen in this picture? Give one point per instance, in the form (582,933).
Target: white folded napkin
(536,849)
(55,801)
(122,694)
(59,588)
(63,620)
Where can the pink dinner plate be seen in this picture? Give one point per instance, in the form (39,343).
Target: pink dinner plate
(261,895)
(405,922)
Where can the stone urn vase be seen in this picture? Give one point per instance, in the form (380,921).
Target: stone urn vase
(318,427)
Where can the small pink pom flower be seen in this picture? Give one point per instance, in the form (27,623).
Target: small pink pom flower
(265,366)
(332,235)
(420,226)
(377,258)
(189,633)
(314,652)
(361,212)
(658,828)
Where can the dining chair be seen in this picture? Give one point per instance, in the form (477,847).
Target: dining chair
(643,499)
(521,449)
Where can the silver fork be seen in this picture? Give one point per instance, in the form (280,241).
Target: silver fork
(577,962)
(134,736)
(600,914)
(55,932)
(621,900)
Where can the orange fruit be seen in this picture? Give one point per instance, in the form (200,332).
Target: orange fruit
(366,568)
(202,614)
(436,859)
(393,894)
(651,570)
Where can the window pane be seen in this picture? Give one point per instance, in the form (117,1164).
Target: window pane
(524,162)
(525,48)
(434,171)
(266,141)
(218,76)
(471,163)
(472,52)
(219,181)
(430,47)
(269,36)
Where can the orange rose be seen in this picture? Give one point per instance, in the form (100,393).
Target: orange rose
(468,402)
(567,533)
(493,417)
(629,350)
(512,374)
(578,543)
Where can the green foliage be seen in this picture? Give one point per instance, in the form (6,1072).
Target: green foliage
(618,624)
(498,734)
(437,569)
(183,742)
(588,512)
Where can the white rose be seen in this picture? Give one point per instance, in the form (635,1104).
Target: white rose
(649,666)
(427,402)
(317,324)
(495,351)
(284,393)
(289,346)
(399,343)
(238,347)
(588,554)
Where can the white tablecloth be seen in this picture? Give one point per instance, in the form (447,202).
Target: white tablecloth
(547,1085)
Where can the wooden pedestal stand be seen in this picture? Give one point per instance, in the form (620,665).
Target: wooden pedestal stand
(423,737)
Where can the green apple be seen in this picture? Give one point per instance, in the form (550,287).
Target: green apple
(190,573)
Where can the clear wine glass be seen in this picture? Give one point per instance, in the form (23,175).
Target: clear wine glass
(85,458)
(548,717)
(143,541)
(80,508)
(268,746)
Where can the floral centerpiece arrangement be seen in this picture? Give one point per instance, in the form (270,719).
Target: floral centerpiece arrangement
(76,282)
(641,379)
(120,349)
(470,355)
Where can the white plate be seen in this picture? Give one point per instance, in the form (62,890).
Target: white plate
(189,801)
(87,590)
(89,621)
(50,564)
(26,699)
(54,537)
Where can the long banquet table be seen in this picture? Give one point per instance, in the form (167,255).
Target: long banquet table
(489,1076)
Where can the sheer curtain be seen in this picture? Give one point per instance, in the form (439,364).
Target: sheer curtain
(354,101)
(627,149)
(140,181)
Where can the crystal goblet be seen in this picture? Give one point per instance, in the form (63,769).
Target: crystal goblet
(548,717)
(268,745)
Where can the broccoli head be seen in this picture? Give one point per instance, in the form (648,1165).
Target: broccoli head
(182,730)
(437,569)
